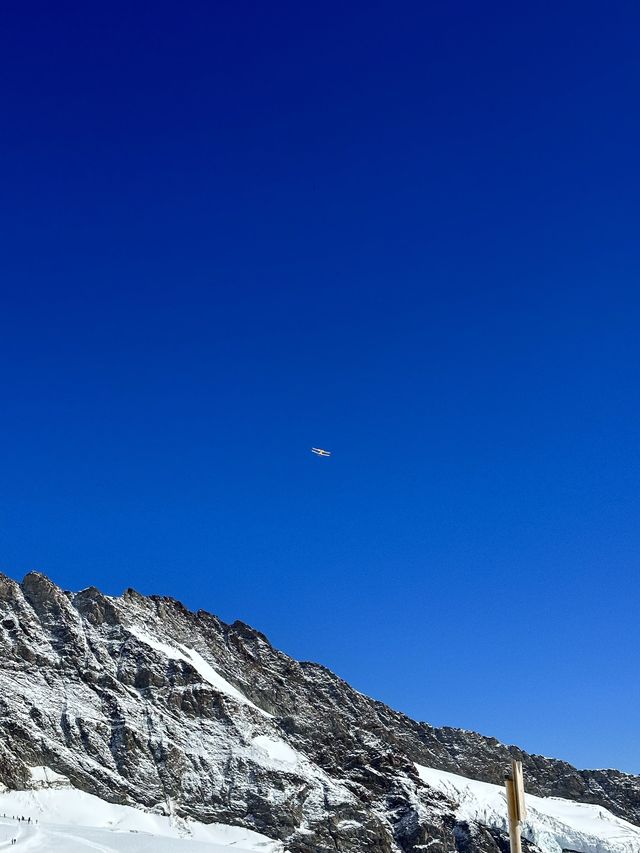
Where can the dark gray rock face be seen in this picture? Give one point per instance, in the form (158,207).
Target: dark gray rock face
(140,701)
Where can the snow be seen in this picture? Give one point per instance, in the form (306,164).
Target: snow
(45,777)
(196,660)
(552,823)
(276,749)
(71,821)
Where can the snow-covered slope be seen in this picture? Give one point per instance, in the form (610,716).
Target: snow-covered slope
(65,820)
(553,824)
(71,821)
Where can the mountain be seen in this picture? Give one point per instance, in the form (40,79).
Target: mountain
(140,702)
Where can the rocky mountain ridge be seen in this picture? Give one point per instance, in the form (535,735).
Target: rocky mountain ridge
(140,701)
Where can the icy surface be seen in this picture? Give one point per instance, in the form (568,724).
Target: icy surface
(552,823)
(71,821)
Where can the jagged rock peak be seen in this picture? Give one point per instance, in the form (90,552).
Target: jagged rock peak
(141,701)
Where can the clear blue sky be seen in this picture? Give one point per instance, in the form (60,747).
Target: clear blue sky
(407,232)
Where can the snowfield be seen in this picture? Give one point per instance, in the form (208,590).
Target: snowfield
(70,821)
(552,823)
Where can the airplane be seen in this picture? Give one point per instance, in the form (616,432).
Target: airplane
(320,452)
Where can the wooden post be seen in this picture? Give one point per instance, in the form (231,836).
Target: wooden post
(516,809)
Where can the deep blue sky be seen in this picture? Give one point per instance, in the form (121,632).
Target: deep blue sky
(407,232)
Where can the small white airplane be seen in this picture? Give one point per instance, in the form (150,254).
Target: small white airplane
(320,452)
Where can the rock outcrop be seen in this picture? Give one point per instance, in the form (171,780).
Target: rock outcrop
(140,701)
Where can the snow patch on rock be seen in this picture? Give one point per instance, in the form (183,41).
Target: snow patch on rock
(276,749)
(44,777)
(192,657)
